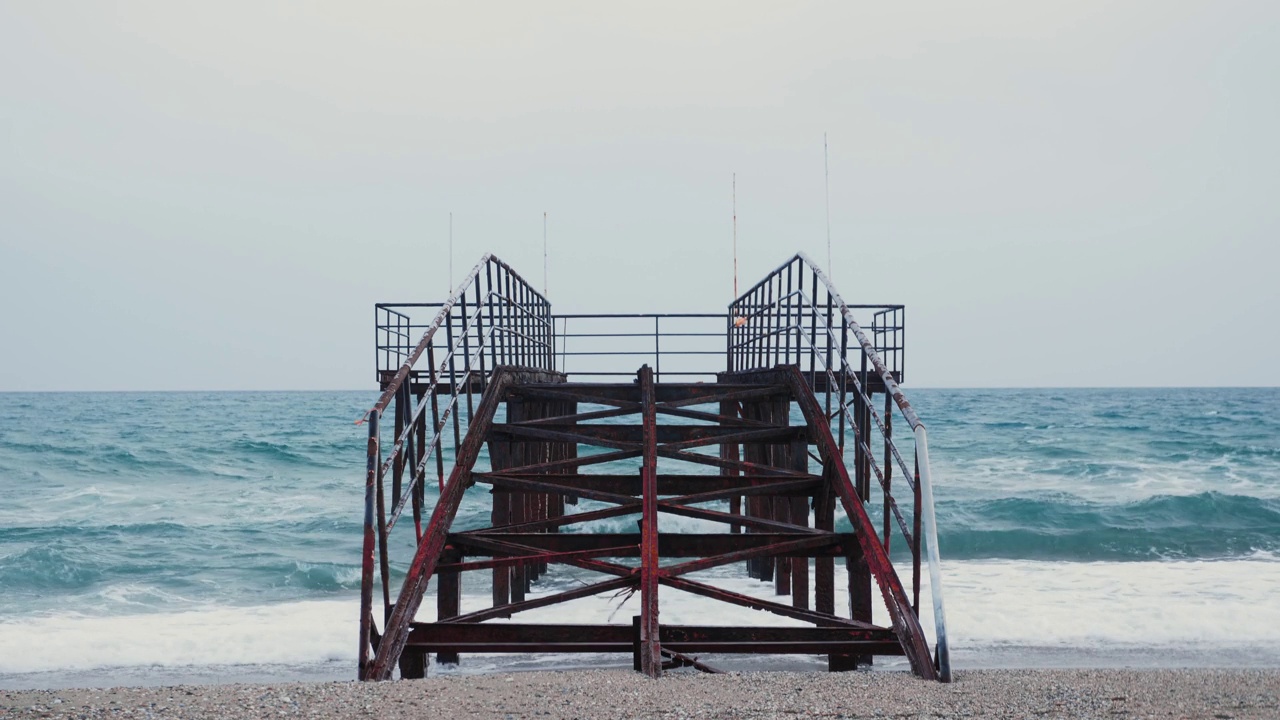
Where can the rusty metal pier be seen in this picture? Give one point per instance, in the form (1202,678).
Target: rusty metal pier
(773,422)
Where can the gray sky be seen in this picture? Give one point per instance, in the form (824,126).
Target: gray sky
(213,195)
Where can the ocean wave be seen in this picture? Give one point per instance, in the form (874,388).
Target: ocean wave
(1203,525)
(323,577)
(44,568)
(141,563)
(31,447)
(290,454)
(1155,606)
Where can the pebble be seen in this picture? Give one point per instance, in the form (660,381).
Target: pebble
(1102,693)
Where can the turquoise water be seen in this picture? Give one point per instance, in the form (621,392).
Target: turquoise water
(177,532)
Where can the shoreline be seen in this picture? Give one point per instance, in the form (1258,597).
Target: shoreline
(1003,658)
(1194,693)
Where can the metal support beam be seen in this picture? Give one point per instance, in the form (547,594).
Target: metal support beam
(650,644)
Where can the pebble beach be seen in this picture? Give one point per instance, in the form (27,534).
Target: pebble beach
(1098,693)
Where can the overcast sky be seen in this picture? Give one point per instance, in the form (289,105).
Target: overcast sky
(213,195)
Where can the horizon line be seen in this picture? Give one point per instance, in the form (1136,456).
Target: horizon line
(375,390)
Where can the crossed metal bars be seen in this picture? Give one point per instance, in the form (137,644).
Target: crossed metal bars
(529,542)
(495,319)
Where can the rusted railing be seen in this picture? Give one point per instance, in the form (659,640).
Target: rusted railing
(494,318)
(595,347)
(795,317)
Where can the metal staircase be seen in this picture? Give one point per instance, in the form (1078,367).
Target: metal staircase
(770,451)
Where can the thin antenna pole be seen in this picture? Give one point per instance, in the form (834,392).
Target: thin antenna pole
(451,251)
(826,172)
(735,236)
(544,253)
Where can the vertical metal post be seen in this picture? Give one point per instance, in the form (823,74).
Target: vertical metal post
(824,518)
(419,488)
(382,544)
(915,542)
(410,444)
(782,513)
(864,434)
(730,451)
(513,317)
(501,515)
(813,335)
(366,556)
(448,596)
(437,429)
(830,349)
(496,344)
(800,516)
(551,336)
(466,354)
(650,648)
(888,464)
(453,382)
(902,343)
(782,456)
(758,323)
(402,325)
(844,381)
(525,347)
(771,319)
(504,319)
(657,351)
(730,337)
(784,313)
(397,465)
(481,340)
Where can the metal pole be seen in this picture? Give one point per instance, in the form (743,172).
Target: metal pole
(373,461)
(935,562)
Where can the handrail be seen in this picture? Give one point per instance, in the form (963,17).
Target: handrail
(931,543)
(493,319)
(381,405)
(675,345)
(764,319)
(679,345)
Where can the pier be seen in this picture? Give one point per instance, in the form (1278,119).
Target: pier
(780,421)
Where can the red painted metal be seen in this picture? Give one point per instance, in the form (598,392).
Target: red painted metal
(366,555)
(905,623)
(650,644)
(433,540)
(500,341)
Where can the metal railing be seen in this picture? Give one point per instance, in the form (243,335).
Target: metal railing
(493,318)
(794,316)
(594,347)
(678,346)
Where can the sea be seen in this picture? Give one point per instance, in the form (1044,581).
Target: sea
(190,537)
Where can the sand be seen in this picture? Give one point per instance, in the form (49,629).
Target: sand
(625,694)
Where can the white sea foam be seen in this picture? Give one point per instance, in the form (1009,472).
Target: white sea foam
(293,633)
(1104,604)
(1075,607)
(1107,481)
